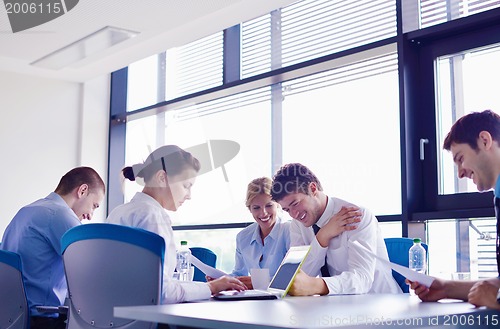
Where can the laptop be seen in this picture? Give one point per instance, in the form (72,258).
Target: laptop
(280,283)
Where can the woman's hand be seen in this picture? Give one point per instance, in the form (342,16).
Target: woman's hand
(226,282)
(246,280)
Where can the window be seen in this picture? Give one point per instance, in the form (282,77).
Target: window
(256,46)
(218,196)
(434,12)
(451,78)
(466,82)
(312,29)
(180,71)
(194,67)
(143,83)
(424,13)
(140,140)
(222,242)
(471,240)
(337,86)
(390,229)
(328,126)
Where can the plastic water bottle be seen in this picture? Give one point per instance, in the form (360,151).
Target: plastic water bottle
(417,257)
(184,262)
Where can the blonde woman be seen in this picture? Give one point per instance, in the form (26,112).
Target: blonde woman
(262,244)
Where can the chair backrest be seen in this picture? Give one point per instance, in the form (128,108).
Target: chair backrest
(14,311)
(398,248)
(207,256)
(110,265)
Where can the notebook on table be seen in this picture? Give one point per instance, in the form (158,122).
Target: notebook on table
(280,283)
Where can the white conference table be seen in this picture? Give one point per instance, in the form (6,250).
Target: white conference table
(347,311)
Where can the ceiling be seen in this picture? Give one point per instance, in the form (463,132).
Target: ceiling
(162,24)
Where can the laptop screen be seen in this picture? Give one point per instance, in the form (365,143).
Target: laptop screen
(288,268)
(284,276)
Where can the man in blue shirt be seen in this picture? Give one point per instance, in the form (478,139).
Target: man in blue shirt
(35,234)
(474,141)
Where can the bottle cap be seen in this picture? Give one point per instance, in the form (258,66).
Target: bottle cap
(184,243)
(417,240)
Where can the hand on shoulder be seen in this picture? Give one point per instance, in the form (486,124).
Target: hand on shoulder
(345,220)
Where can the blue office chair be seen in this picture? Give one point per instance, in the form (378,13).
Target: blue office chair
(110,265)
(398,248)
(14,311)
(207,256)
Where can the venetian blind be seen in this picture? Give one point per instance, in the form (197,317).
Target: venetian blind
(314,28)
(309,29)
(434,12)
(256,46)
(359,70)
(224,104)
(194,67)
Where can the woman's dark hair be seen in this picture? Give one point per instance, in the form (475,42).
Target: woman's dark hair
(466,129)
(293,178)
(78,176)
(170,158)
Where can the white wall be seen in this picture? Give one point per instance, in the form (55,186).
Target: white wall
(48,127)
(94,131)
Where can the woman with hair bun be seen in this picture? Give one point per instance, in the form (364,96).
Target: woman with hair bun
(168,173)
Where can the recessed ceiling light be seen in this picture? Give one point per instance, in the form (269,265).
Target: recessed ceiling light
(85,47)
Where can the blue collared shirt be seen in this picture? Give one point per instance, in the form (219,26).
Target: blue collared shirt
(252,253)
(35,234)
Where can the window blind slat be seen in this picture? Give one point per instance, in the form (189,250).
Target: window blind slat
(224,104)
(256,46)
(434,12)
(374,66)
(314,28)
(194,67)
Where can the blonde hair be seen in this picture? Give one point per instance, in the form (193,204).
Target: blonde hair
(258,186)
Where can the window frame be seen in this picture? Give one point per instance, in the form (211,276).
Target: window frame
(416,53)
(428,44)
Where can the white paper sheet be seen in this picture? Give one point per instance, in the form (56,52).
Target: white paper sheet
(403,270)
(208,270)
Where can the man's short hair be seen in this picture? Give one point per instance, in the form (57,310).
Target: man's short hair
(293,178)
(466,129)
(77,177)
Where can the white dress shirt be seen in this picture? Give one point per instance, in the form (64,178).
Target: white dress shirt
(145,212)
(352,270)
